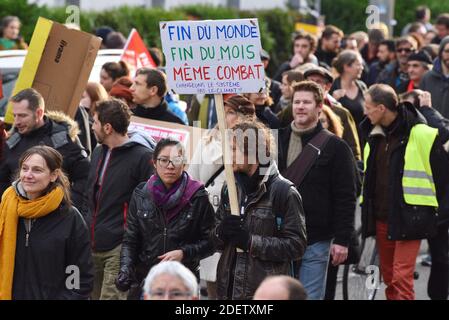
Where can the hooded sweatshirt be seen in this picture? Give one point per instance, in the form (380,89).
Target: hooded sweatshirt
(113,176)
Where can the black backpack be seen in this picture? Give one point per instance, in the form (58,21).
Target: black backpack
(279,201)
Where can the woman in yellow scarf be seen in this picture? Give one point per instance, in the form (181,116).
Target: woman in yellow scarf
(44,241)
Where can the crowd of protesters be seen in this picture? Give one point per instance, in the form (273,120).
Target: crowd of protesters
(359,115)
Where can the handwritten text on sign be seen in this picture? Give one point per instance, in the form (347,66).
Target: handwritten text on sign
(211,57)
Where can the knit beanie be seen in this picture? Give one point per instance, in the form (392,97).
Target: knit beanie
(241,104)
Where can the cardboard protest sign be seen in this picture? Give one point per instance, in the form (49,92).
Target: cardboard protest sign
(58,64)
(188,136)
(135,53)
(213,56)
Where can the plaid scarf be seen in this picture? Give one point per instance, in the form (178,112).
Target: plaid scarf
(172,200)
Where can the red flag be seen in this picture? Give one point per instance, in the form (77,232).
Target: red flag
(135,53)
(1,86)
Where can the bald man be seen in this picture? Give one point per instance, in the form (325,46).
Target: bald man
(280,288)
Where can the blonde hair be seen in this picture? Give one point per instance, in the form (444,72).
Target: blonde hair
(97,93)
(334,121)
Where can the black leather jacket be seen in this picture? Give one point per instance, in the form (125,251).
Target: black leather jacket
(148,236)
(272,249)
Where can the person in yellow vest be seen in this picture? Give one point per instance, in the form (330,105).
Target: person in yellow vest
(405,188)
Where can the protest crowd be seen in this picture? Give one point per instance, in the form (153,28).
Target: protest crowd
(349,120)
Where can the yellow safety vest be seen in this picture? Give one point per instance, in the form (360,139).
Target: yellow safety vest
(417,180)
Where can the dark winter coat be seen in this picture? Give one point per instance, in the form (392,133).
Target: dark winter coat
(128,165)
(58,247)
(437,84)
(148,235)
(405,222)
(159,113)
(328,190)
(272,249)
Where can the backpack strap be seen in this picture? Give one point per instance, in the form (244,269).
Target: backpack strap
(279,200)
(297,171)
(214,176)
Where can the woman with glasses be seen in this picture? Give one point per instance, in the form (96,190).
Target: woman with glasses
(169,219)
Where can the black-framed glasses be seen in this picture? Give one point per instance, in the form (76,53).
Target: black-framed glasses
(176,162)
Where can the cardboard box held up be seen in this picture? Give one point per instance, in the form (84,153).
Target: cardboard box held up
(58,65)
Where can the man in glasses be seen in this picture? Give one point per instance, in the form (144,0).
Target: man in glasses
(118,165)
(170,280)
(436,81)
(396,73)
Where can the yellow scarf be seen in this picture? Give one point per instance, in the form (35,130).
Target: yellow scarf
(11,208)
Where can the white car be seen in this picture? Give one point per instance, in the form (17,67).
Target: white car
(11,61)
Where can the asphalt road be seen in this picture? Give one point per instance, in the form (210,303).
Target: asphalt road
(420,283)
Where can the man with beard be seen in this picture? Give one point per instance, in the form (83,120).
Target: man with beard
(329,46)
(436,81)
(119,163)
(386,54)
(148,90)
(395,73)
(304,46)
(330,182)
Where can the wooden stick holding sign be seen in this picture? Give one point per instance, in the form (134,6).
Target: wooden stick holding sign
(214,57)
(226,147)
(229,172)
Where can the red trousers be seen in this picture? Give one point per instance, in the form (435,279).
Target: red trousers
(397,264)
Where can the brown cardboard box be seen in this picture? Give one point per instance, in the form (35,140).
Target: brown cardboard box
(58,64)
(64,69)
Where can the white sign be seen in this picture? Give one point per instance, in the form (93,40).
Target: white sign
(158,133)
(213,56)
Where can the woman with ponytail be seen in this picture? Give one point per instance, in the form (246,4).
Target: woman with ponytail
(44,242)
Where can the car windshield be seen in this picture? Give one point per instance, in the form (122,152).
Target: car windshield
(11,62)
(9,78)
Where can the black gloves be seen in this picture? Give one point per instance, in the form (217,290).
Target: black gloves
(123,281)
(231,230)
(228,225)
(241,239)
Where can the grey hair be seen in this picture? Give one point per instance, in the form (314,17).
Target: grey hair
(173,268)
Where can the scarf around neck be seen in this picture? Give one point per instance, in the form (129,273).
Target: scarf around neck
(13,207)
(172,200)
